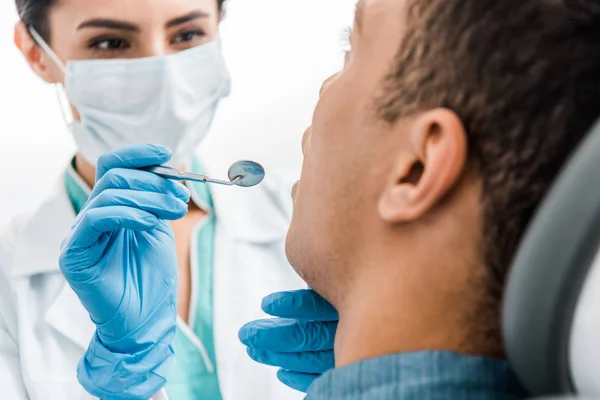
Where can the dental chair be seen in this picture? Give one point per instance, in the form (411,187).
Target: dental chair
(551,310)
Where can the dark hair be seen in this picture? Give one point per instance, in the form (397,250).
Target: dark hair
(524,78)
(35,13)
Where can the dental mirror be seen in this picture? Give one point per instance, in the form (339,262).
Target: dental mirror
(242,173)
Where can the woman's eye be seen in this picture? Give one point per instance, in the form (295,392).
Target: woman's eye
(109,44)
(188,36)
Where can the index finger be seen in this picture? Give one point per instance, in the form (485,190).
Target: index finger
(132,157)
(299,304)
(288,335)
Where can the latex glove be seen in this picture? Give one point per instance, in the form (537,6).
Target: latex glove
(299,341)
(120,261)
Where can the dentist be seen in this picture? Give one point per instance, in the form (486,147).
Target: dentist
(108,317)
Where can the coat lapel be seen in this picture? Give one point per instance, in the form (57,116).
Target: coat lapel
(36,250)
(67,316)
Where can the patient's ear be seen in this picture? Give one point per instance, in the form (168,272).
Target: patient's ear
(425,172)
(34,55)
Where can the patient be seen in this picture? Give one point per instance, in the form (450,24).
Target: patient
(428,154)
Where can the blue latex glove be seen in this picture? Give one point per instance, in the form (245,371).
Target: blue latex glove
(299,341)
(120,261)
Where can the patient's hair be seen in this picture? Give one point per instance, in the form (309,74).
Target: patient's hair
(524,77)
(36,12)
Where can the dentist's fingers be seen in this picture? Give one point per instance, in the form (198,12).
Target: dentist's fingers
(133,179)
(288,335)
(299,304)
(99,221)
(311,362)
(295,380)
(132,157)
(163,206)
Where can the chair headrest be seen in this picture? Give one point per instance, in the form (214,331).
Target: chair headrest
(548,278)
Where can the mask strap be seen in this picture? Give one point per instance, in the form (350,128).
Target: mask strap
(63,104)
(42,43)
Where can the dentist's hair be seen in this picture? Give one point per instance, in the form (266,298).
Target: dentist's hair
(36,13)
(524,78)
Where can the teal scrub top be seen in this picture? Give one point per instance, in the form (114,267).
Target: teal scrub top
(193,374)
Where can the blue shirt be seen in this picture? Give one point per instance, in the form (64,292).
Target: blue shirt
(432,375)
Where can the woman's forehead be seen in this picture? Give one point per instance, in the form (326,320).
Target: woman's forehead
(141,11)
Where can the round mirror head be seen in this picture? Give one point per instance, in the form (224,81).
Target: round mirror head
(252,173)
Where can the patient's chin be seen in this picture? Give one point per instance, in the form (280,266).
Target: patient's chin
(303,253)
(297,250)
(291,245)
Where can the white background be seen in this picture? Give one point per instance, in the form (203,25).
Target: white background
(278,51)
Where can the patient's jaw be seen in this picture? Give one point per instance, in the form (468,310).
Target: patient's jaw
(387,216)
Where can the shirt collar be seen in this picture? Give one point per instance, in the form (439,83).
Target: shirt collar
(420,375)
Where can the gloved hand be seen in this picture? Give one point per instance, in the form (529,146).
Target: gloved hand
(299,341)
(120,261)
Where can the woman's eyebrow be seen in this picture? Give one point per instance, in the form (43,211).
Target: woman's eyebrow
(187,18)
(109,23)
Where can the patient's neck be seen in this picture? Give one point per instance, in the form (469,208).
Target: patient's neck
(418,308)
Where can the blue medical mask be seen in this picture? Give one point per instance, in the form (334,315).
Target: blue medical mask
(165,100)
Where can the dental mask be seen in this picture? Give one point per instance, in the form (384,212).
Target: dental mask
(166,100)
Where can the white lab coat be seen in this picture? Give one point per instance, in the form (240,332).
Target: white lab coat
(44,330)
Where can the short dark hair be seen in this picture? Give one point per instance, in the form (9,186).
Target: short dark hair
(35,13)
(524,78)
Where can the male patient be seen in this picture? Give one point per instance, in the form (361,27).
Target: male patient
(428,154)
